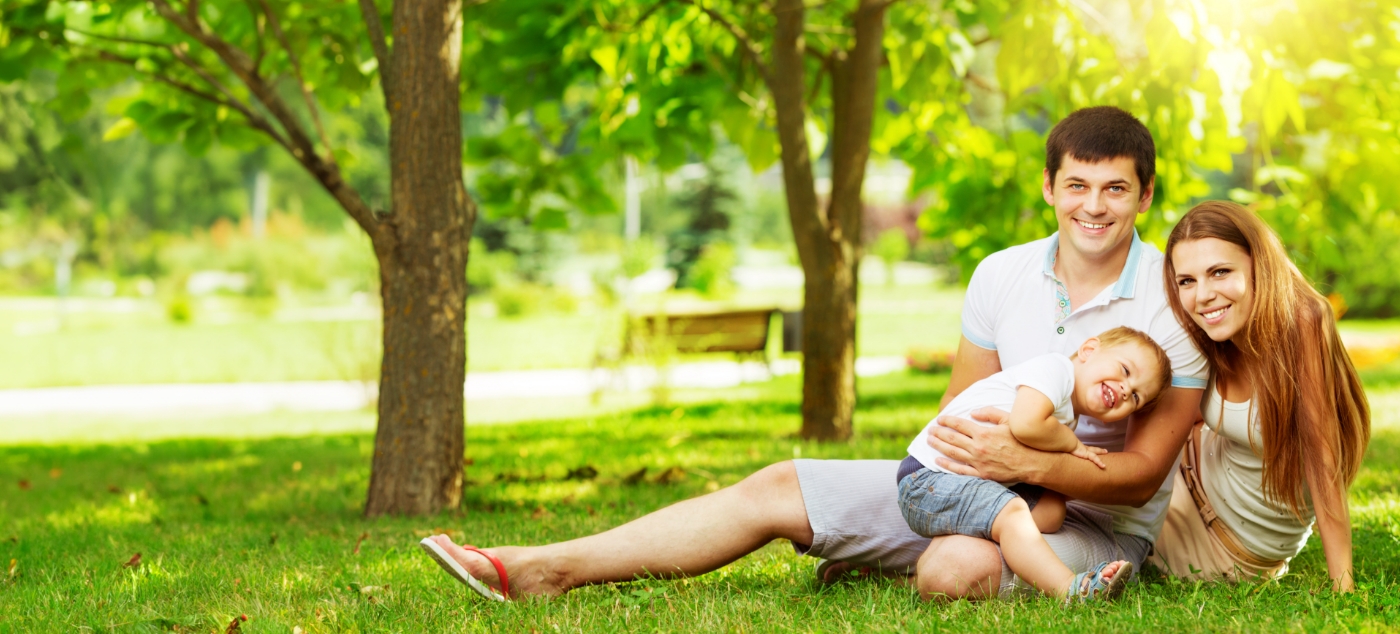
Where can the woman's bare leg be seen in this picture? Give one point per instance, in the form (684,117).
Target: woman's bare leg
(687,538)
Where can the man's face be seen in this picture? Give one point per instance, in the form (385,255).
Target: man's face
(1096,204)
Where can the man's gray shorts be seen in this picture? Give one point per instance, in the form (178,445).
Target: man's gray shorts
(853,506)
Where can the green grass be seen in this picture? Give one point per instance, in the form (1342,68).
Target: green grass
(133,342)
(230,527)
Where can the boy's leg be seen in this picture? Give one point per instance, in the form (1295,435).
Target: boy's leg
(1026,552)
(958,566)
(1049,512)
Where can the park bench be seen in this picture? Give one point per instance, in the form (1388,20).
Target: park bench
(657,337)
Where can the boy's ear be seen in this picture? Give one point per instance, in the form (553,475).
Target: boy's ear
(1088,348)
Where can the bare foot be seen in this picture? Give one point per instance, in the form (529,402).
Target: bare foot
(479,566)
(527,575)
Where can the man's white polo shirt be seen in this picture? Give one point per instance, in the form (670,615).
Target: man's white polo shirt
(1017,307)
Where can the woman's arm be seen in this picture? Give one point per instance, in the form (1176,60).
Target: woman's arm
(1334,528)
(1321,468)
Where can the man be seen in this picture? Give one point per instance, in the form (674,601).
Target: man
(1028,300)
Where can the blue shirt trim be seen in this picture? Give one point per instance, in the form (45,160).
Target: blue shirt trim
(1126,286)
(981,343)
(1189,383)
(1127,282)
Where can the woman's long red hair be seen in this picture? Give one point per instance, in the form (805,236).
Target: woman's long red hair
(1313,416)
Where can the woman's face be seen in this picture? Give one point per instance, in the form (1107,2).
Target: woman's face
(1215,281)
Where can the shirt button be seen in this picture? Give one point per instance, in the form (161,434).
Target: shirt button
(1060,330)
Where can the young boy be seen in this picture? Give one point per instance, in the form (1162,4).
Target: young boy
(1111,376)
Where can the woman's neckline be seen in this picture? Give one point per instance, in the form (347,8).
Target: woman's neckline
(1215,388)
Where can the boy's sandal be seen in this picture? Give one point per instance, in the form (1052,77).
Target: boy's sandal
(1097,589)
(441,556)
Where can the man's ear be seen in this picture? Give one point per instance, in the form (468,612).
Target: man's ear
(1087,349)
(1047,188)
(1145,202)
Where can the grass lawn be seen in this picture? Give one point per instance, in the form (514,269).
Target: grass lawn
(128,341)
(270,528)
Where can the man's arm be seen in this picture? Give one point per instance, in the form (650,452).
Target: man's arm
(1132,476)
(972,364)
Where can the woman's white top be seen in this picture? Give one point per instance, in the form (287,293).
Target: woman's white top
(1233,476)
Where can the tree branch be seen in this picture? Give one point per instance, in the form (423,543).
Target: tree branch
(381,47)
(254,119)
(119,40)
(299,144)
(301,79)
(745,42)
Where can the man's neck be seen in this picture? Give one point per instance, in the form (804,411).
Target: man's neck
(1086,277)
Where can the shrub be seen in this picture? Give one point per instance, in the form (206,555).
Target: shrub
(517,300)
(488,270)
(179,309)
(891,247)
(710,275)
(927,361)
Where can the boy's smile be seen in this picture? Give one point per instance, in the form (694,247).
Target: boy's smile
(1110,383)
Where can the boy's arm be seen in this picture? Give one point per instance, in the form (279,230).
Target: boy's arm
(1154,441)
(1034,425)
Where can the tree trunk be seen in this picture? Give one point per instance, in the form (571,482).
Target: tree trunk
(422,252)
(828,240)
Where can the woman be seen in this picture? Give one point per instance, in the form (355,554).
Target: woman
(1285,420)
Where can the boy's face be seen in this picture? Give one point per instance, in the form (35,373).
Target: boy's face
(1096,204)
(1112,382)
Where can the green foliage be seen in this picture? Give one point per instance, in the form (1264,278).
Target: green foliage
(706,209)
(891,247)
(638,257)
(517,300)
(488,270)
(179,309)
(710,274)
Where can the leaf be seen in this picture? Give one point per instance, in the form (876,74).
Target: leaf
(586,472)
(671,475)
(606,58)
(120,130)
(236,625)
(198,138)
(635,476)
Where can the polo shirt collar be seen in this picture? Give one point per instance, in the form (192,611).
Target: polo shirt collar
(1126,286)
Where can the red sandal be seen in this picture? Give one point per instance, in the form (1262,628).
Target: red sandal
(458,572)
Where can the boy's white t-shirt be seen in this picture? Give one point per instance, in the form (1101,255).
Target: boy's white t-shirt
(1049,374)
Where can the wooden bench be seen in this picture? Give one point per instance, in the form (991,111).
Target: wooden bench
(659,336)
(738,331)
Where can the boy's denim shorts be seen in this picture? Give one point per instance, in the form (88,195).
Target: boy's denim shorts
(940,503)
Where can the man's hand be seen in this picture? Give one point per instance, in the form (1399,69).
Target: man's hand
(981,451)
(1090,453)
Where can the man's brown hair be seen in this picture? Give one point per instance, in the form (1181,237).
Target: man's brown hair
(1102,133)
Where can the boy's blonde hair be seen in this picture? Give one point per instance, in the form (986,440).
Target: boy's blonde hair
(1121,335)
